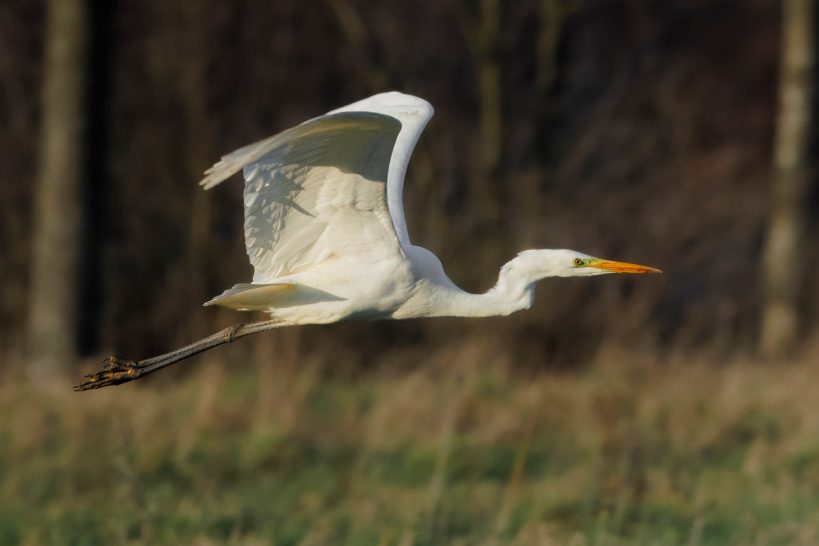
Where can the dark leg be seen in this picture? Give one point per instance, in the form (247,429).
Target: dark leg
(117,370)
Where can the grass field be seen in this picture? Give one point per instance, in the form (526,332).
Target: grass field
(630,451)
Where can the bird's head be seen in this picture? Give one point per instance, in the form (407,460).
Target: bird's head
(538,264)
(577,264)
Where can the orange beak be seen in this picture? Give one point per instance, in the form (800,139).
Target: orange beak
(623,267)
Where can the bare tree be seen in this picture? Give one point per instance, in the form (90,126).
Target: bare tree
(787,221)
(57,230)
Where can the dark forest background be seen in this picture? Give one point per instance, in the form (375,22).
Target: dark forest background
(634,130)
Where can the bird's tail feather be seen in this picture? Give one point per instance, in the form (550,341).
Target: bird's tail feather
(252,297)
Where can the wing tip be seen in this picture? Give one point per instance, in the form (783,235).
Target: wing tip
(217,173)
(208,182)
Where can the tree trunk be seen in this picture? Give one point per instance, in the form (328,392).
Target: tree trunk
(488,189)
(58,214)
(785,238)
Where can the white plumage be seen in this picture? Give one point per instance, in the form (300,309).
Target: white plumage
(325,228)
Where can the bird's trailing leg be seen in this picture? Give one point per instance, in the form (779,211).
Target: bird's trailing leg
(119,370)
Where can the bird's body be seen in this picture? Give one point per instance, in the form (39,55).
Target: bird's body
(326,234)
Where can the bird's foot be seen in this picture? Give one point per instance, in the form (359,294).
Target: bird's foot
(114,372)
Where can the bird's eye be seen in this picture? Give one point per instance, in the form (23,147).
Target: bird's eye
(578,262)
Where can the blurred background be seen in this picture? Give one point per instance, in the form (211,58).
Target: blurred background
(675,409)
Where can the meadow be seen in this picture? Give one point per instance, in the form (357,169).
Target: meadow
(467,448)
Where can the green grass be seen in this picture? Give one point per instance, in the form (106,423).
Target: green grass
(625,453)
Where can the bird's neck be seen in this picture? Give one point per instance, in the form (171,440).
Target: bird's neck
(435,295)
(509,295)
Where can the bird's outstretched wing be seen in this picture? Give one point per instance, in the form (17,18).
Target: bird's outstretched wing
(414,113)
(330,187)
(315,192)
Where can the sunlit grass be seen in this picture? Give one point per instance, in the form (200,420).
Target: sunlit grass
(630,451)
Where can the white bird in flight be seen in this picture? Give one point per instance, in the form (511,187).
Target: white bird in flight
(326,234)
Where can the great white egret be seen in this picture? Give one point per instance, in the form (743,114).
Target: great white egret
(326,235)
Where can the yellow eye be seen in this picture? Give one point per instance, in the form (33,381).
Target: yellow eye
(579,262)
